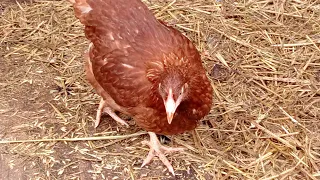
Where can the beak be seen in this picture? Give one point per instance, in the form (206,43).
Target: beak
(170,106)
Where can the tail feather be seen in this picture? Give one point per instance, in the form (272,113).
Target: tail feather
(117,24)
(81,8)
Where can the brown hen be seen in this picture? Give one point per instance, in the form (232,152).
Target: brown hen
(143,68)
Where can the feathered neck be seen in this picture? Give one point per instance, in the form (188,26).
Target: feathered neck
(171,76)
(170,68)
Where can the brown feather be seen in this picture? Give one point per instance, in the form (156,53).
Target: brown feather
(131,54)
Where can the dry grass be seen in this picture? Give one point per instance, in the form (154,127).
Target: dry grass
(264,60)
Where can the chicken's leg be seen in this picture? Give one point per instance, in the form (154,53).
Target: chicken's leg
(103,107)
(156,149)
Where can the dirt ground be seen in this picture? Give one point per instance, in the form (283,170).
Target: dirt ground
(249,134)
(27,111)
(20,104)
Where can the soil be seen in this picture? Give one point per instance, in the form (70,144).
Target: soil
(26,112)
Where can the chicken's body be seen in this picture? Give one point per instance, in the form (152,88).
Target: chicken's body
(132,56)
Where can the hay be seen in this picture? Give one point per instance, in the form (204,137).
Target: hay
(264,61)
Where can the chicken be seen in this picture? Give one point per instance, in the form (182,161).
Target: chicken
(145,69)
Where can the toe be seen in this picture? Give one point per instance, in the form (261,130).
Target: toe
(97,122)
(148,158)
(124,124)
(166,162)
(171,149)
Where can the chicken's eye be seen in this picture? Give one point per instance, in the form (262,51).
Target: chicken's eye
(181,92)
(183,89)
(161,90)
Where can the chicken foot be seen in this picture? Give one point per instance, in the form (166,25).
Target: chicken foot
(156,149)
(104,108)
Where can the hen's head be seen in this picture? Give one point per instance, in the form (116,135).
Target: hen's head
(173,89)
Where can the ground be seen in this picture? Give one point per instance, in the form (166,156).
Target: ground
(264,124)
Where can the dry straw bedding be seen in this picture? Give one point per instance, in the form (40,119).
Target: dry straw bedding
(264,61)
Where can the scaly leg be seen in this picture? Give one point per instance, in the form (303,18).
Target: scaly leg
(156,149)
(103,107)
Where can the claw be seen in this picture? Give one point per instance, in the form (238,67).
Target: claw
(104,108)
(156,149)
